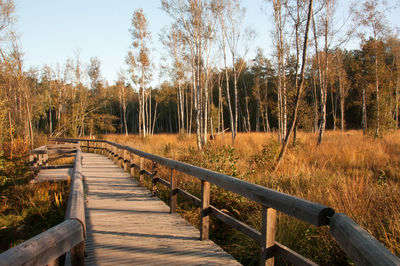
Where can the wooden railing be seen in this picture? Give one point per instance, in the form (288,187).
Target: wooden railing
(360,246)
(66,237)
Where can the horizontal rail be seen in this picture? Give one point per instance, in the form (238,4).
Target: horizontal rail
(46,246)
(302,209)
(76,200)
(356,242)
(362,248)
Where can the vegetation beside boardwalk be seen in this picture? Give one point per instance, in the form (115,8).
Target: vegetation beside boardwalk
(26,209)
(354,174)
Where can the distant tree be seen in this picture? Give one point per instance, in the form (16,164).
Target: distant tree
(94,73)
(195,20)
(138,60)
(371,17)
(237,39)
(299,87)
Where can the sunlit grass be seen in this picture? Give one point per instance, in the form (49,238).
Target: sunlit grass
(354,174)
(26,209)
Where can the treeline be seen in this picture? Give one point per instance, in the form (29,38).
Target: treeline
(212,86)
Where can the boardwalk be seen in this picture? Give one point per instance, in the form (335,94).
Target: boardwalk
(126,226)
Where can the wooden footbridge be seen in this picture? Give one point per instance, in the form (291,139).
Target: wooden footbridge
(112,220)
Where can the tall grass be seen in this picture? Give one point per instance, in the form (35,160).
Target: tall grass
(26,209)
(352,173)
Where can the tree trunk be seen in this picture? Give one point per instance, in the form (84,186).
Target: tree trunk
(397,102)
(364,112)
(377,97)
(299,89)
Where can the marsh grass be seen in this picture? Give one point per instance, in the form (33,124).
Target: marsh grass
(26,209)
(354,174)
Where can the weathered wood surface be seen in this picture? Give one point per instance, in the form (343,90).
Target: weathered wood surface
(44,247)
(359,244)
(53,175)
(126,225)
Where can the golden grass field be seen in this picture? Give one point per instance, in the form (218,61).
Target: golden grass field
(354,174)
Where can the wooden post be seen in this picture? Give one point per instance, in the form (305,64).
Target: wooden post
(268,230)
(153,180)
(88,146)
(40,159)
(78,254)
(141,171)
(205,210)
(115,155)
(173,191)
(120,162)
(102,148)
(31,160)
(132,170)
(109,150)
(125,161)
(46,159)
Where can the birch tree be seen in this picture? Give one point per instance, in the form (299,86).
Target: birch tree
(138,60)
(299,88)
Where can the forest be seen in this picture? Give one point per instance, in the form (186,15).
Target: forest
(212,85)
(330,85)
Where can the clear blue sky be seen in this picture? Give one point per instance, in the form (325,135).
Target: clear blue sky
(53,30)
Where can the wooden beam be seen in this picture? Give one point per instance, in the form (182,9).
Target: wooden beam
(361,247)
(153,181)
(268,230)
(141,177)
(205,210)
(173,191)
(45,247)
(132,160)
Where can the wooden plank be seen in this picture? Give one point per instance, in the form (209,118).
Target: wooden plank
(130,227)
(205,210)
(46,246)
(361,247)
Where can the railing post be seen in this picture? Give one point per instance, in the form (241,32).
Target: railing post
(153,179)
(88,146)
(173,191)
(102,148)
(109,151)
(31,160)
(132,169)
(78,254)
(268,230)
(205,210)
(141,166)
(45,159)
(120,162)
(115,154)
(40,159)
(125,162)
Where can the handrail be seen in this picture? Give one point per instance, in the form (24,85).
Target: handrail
(56,241)
(360,246)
